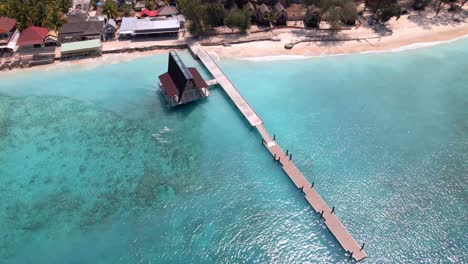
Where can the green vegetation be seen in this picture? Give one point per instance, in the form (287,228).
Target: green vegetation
(110,9)
(204,15)
(238,18)
(149,4)
(36,13)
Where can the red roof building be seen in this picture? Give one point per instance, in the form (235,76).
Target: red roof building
(7,24)
(150,13)
(33,36)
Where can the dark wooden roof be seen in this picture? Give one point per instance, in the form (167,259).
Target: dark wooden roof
(197,79)
(168,85)
(279,7)
(263,9)
(83,28)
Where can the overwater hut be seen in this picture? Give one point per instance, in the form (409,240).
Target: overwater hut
(84,30)
(262,14)
(181,85)
(281,16)
(312,17)
(168,11)
(81,49)
(109,30)
(8,33)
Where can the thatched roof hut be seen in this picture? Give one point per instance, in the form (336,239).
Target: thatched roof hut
(312,17)
(262,13)
(280,14)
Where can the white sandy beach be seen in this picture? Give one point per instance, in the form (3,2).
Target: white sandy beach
(408,31)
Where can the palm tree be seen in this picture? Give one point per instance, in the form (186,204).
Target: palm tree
(271,18)
(110,9)
(55,19)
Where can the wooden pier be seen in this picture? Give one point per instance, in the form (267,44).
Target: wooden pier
(341,234)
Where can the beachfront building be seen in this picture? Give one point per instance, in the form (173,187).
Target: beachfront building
(8,34)
(35,46)
(81,49)
(82,30)
(109,30)
(132,27)
(33,37)
(181,85)
(261,14)
(281,16)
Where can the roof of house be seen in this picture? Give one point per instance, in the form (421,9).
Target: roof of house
(279,7)
(7,24)
(112,22)
(263,9)
(81,45)
(32,36)
(149,13)
(131,24)
(197,79)
(168,84)
(76,18)
(83,28)
(167,11)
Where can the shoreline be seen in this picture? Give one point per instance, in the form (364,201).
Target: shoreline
(402,39)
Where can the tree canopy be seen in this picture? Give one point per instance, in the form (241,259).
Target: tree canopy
(45,13)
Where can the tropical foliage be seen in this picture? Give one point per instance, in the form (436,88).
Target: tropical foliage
(41,13)
(238,18)
(204,15)
(110,9)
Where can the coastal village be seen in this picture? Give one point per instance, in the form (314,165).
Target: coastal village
(68,30)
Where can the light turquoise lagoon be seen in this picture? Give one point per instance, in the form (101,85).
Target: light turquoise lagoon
(95,169)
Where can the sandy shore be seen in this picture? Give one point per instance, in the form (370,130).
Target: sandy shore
(407,31)
(88,63)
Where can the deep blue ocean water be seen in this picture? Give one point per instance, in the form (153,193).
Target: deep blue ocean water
(95,169)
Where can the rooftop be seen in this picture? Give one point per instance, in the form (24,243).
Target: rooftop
(33,36)
(131,25)
(6,24)
(81,45)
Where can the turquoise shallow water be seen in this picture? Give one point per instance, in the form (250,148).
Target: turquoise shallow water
(94,168)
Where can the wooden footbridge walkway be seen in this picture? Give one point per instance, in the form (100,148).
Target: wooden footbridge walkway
(345,239)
